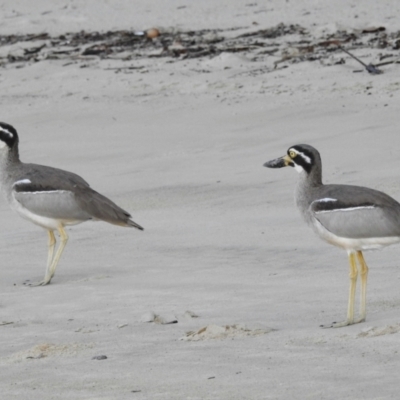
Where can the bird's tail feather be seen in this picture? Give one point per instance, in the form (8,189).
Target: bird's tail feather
(102,208)
(134,225)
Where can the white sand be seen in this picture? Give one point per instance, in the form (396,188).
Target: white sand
(183,150)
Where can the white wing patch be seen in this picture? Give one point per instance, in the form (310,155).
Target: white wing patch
(21,182)
(324,200)
(51,191)
(345,209)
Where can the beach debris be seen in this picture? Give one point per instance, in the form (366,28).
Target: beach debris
(282,44)
(189,314)
(148,317)
(212,332)
(85,330)
(370,67)
(373,29)
(395,60)
(41,355)
(168,318)
(151,33)
(158,319)
(49,350)
(102,357)
(276,31)
(374,331)
(294,52)
(6,322)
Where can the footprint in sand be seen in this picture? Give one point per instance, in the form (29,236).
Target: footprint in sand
(211,332)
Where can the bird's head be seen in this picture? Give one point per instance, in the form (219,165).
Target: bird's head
(8,136)
(303,157)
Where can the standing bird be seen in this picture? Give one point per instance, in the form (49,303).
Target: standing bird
(354,218)
(51,198)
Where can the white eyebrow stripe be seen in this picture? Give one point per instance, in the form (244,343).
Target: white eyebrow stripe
(345,209)
(6,131)
(305,158)
(21,182)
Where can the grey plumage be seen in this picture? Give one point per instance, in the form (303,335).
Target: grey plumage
(71,196)
(51,197)
(359,212)
(354,218)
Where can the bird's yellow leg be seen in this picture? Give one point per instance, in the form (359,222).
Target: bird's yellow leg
(363,270)
(52,262)
(352,294)
(51,244)
(64,240)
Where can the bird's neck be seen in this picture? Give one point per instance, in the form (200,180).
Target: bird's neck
(306,185)
(9,156)
(312,178)
(8,160)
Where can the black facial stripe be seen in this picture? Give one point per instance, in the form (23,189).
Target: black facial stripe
(300,160)
(8,134)
(337,205)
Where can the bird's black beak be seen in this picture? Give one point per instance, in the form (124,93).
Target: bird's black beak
(279,162)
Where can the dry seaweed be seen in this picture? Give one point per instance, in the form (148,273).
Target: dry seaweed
(294,42)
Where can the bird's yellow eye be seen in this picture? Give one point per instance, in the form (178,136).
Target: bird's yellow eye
(292,154)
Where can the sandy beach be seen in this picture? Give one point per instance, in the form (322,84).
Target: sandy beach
(223,294)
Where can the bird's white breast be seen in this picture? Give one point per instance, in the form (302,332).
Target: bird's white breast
(45,222)
(353,244)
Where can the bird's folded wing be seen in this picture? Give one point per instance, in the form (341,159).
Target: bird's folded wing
(357,219)
(57,204)
(56,193)
(100,207)
(49,192)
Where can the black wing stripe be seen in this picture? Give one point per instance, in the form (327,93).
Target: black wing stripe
(337,205)
(29,187)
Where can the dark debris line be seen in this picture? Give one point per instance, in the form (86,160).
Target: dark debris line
(292,41)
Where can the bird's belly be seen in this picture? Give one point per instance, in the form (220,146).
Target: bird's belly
(60,212)
(45,222)
(354,243)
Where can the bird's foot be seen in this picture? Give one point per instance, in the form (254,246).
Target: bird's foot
(343,323)
(33,284)
(359,320)
(337,324)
